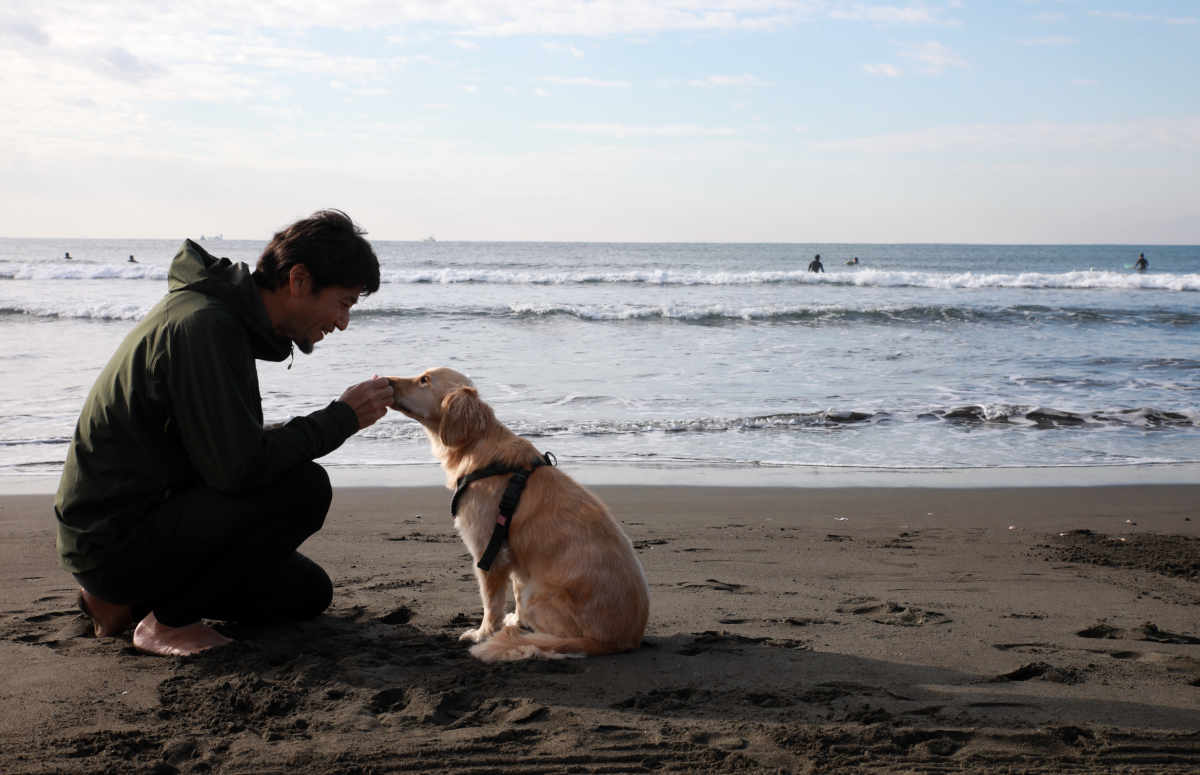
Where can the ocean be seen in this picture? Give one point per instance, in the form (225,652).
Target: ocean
(706,363)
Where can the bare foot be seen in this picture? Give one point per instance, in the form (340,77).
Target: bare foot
(153,637)
(108,619)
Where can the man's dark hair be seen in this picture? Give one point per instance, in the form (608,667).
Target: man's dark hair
(330,245)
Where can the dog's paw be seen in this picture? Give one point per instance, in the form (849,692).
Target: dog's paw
(475,635)
(512,620)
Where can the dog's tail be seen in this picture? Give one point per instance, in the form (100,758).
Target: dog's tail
(513,643)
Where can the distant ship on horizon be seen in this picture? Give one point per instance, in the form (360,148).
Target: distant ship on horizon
(212,237)
(429,239)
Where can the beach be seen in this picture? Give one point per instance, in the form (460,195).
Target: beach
(792,629)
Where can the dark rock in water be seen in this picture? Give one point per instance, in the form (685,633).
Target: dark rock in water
(1054,417)
(848,416)
(965,413)
(1148,415)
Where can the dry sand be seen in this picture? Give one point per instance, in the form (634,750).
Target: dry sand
(791,630)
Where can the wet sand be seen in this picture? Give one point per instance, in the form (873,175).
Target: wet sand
(791,630)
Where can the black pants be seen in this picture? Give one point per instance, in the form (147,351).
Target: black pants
(208,555)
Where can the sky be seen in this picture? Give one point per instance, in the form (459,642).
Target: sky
(1050,121)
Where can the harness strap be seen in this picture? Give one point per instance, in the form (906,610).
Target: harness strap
(508,501)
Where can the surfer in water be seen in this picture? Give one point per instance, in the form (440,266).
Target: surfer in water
(852,262)
(815,265)
(1141,264)
(132,260)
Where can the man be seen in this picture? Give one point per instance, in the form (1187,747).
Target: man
(176,503)
(1141,264)
(815,265)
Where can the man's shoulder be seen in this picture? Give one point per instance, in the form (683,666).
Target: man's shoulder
(192,308)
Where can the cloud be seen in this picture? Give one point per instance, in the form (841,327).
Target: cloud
(25,32)
(1050,40)
(886,70)
(624,130)
(562,48)
(1128,16)
(933,57)
(465,44)
(1131,136)
(884,14)
(118,63)
(583,81)
(728,80)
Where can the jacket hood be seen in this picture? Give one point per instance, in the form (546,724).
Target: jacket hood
(195,269)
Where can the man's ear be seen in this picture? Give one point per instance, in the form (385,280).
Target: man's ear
(300,280)
(465,418)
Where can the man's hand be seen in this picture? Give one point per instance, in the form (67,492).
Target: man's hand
(369,400)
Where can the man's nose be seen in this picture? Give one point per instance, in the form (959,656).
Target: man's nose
(343,320)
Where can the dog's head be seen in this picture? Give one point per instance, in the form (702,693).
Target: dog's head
(446,403)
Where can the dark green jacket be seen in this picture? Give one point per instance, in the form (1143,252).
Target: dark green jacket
(178,406)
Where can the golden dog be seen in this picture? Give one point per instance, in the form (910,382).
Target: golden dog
(578,585)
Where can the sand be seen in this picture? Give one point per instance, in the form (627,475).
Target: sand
(791,630)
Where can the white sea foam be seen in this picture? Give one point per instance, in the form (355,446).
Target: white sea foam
(866,277)
(1084,280)
(91,308)
(94,310)
(81,271)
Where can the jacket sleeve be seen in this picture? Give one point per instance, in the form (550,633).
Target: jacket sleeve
(213,389)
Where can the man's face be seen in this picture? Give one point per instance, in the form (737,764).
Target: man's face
(316,314)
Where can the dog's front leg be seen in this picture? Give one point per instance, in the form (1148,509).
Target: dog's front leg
(493,585)
(515,617)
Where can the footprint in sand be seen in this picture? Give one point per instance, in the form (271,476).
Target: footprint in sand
(401,615)
(859,605)
(1148,632)
(1044,671)
(891,612)
(720,586)
(50,615)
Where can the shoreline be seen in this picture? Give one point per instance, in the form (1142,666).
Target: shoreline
(783,476)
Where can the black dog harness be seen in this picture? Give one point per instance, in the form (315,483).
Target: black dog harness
(508,501)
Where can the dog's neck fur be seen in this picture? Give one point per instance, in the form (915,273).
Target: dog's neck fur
(497,445)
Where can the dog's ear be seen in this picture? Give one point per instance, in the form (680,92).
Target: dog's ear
(465,417)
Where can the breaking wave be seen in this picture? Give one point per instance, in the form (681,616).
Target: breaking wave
(705,314)
(1088,279)
(522,275)
(994,415)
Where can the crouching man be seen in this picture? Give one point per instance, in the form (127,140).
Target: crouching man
(176,504)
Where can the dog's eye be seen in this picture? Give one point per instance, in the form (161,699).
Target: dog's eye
(424,380)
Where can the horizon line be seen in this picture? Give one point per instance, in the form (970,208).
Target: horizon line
(423,240)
